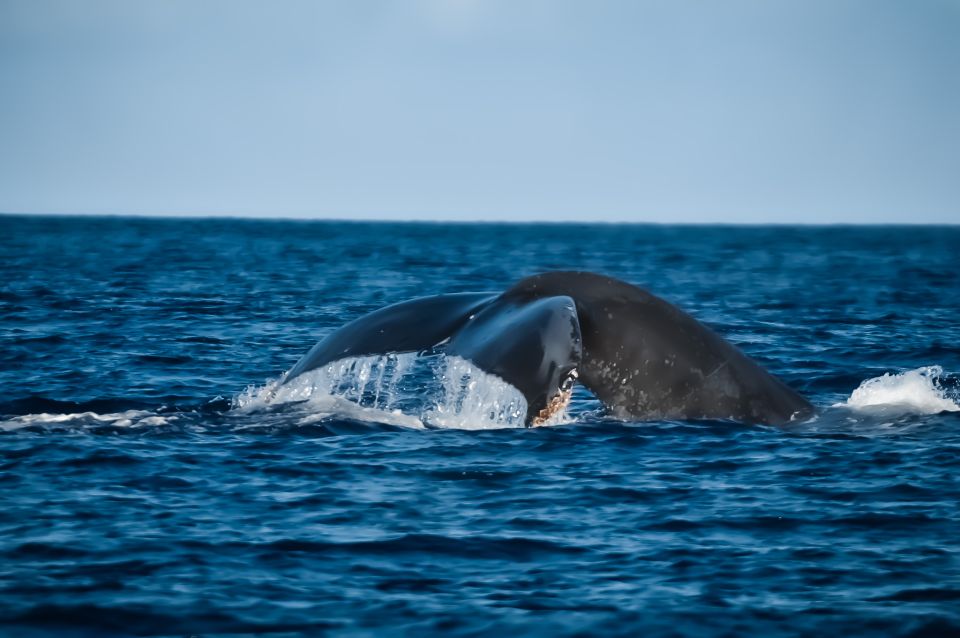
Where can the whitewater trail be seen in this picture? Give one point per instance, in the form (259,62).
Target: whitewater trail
(391,390)
(469,398)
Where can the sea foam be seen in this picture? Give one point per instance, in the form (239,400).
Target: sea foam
(913,392)
(129,418)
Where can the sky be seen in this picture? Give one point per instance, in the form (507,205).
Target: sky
(735,111)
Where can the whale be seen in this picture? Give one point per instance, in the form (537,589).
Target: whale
(643,357)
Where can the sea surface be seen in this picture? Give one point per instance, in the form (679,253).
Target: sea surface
(153,481)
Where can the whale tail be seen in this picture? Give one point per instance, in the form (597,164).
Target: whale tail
(535,347)
(640,355)
(408,326)
(645,358)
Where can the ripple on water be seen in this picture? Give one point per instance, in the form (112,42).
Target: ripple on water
(145,493)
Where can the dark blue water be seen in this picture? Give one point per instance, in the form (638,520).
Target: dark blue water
(139,499)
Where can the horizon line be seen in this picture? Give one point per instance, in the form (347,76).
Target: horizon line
(465,221)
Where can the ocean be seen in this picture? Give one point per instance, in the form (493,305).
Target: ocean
(155,484)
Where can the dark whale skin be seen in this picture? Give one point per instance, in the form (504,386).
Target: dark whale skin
(642,356)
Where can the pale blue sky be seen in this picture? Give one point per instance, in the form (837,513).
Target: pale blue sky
(714,111)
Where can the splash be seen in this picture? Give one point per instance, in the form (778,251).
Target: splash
(476,400)
(398,389)
(913,392)
(371,389)
(375,381)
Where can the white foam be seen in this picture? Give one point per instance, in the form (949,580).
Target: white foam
(913,392)
(321,408)
(399,389)
(476,400)
(362,388)
(374,381)
(130,418)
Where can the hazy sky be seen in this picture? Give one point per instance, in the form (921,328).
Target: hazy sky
(739,111)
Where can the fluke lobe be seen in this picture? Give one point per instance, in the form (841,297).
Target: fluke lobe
(643,357)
